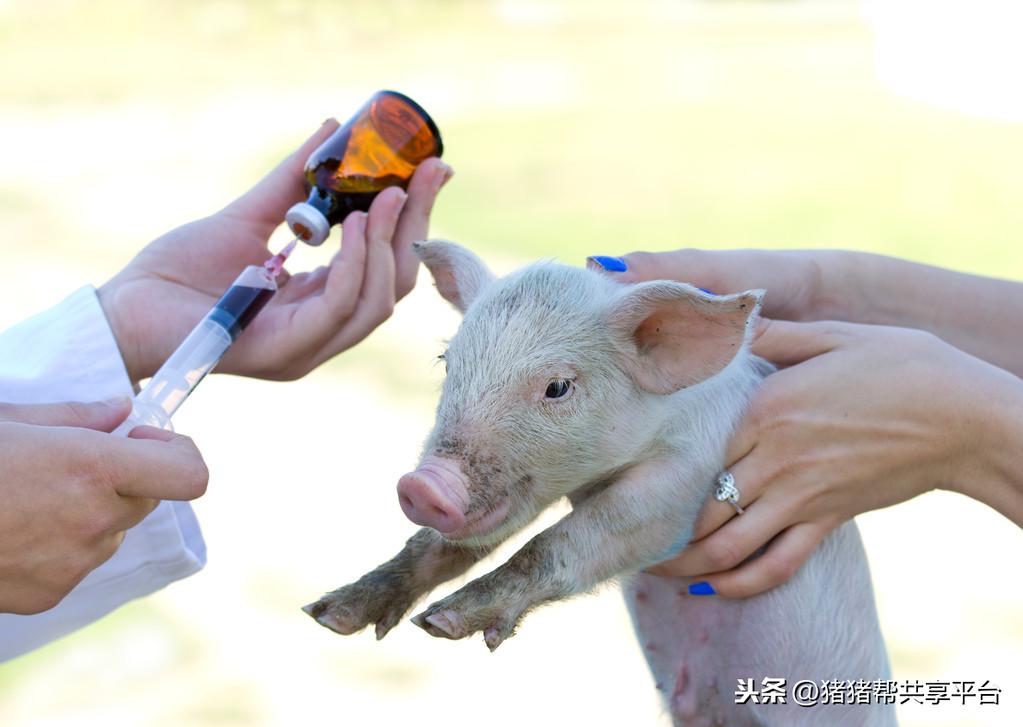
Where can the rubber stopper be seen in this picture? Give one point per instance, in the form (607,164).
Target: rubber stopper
(307,223)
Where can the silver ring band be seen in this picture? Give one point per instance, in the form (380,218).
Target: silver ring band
(726,491)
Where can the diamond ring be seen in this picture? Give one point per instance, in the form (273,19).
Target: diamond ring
(727,491)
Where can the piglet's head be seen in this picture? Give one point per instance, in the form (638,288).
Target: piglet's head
(558,379)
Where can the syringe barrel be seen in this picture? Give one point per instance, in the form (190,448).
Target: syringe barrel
(201,350)
(247,295)
(182,372)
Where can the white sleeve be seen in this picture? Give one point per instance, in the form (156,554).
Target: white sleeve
(68,353)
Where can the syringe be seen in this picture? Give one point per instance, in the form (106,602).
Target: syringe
(207,343)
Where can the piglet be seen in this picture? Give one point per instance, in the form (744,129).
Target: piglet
(562,382)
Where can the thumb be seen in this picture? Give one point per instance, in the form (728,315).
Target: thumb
(687,265)
(156,464)
(270,199)
(102,416)
(786,343)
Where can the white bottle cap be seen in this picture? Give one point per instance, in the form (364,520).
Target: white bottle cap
(308,223)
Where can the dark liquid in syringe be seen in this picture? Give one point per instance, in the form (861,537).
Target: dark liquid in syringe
(239,305)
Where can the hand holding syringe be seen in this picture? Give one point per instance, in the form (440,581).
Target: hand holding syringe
(205,345)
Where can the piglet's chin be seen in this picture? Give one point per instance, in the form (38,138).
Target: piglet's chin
(481,526)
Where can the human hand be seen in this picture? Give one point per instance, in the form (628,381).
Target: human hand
(799,283)
(70,491)
(859,287)
(156,300)
(863,417)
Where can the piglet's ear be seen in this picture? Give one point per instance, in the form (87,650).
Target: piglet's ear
(458,273)
(677,336)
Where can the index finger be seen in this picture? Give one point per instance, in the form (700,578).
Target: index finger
(375,300)
(786,343)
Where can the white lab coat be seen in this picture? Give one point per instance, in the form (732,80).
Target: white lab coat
(68,353)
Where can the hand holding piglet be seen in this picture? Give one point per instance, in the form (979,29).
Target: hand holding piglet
(865,417)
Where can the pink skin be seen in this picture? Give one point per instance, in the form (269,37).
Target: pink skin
(436,495)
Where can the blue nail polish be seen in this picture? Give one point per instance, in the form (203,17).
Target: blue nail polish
(611,264)
(701,589)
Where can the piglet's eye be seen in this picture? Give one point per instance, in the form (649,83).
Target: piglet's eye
(557,388)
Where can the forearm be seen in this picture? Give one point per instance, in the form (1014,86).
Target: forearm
(982,316)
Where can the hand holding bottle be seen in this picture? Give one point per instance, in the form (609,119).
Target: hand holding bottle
(315,316)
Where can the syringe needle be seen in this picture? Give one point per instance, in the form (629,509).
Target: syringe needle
(275,264)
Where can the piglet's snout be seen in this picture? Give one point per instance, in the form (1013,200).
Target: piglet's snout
(435,495)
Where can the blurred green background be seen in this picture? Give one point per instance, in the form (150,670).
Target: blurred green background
(574,128)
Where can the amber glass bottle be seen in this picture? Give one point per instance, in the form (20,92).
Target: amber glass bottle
(377,148)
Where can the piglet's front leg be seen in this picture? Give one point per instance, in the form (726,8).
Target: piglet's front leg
(495,603)
(385,595)
(635,522)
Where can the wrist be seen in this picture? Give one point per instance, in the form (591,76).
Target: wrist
(994,474)
(861,287)
(838,288)
(119,321)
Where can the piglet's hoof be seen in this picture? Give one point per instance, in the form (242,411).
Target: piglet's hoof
(353,607)
(448,623)
(442,624)
(339,619)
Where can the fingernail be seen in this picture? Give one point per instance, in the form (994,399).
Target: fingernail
(399,206)
(604,262)
(443,175)
(356,219)
(701,589)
